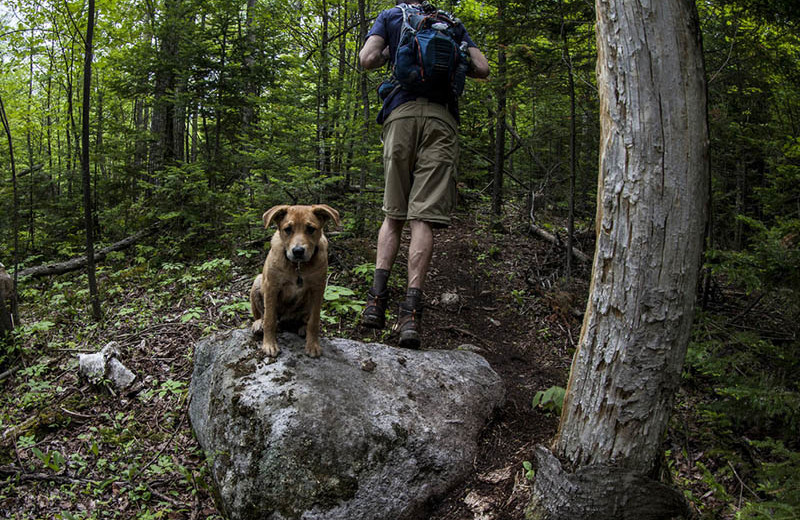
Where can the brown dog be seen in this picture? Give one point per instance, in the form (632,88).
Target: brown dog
(289,291)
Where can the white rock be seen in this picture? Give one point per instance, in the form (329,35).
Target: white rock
(105,364)
(449,299)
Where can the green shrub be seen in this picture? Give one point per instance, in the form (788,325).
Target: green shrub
(779,482)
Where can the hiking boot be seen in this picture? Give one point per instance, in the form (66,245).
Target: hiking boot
(408,326)
(374,315)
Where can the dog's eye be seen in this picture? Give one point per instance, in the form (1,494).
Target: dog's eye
(310,230)
(288,230)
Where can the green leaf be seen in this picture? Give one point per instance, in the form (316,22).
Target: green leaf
(550,400)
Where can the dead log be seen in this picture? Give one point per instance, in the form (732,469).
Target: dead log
(77,263)
(35,168)
(549,237)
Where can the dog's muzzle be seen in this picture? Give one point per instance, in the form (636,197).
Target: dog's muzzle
(297,254)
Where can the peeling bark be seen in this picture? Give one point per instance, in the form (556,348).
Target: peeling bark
(651,215)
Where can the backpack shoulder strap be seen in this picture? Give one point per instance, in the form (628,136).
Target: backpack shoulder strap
(413,17)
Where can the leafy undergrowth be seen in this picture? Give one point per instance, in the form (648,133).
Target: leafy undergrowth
(73,450)
(70,450)
(734,446)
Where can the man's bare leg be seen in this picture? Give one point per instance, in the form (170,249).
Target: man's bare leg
(420,252)
(388,243)
(374,314)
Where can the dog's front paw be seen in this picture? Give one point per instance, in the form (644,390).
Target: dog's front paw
(313,349)
(270,349)
(257,327)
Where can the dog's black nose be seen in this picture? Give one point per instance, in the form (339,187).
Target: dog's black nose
(298,252)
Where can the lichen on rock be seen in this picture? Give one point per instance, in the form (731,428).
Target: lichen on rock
(325,439)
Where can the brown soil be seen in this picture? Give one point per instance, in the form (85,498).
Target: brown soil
(515,309)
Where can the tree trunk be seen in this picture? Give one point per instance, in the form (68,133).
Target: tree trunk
(219,109)
(140,125)
(341,115)
(195,135)
(741,186)
(86,176)
(71,129)
(572,146)
(10,316)
(250,90)
(49,125)
(162,152)
(323,89)
(6,296)
(75,143)
(500,128)
(364,89)
(651,215)
(179,121)
(31,183)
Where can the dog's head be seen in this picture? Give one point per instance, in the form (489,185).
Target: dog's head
(300,228)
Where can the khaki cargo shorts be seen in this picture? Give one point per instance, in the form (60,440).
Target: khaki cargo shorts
(420,158)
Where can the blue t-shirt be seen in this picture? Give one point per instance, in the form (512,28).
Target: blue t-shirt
(388,25)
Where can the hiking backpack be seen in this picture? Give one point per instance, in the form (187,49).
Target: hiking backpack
(431,59)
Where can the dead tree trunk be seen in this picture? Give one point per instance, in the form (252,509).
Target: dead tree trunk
(81,261)
(651,215)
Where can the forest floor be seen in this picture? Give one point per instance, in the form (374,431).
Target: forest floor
(70,450)
(514,306)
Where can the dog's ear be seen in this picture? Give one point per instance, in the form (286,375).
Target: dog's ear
(275,213)
(325,213)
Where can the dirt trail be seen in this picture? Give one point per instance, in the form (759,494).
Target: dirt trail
(511,307)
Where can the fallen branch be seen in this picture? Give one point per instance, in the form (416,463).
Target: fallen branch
(34,169)
(79,262)
(10,435)
(464,332)
(19,473)
(8,373)
(549,237)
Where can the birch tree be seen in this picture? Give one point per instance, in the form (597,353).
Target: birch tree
(651,212)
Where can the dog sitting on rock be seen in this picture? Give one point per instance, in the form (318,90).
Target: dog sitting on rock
(288,293)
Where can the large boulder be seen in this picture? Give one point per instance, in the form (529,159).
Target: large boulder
(366,431)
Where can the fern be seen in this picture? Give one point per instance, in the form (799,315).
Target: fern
(779,483)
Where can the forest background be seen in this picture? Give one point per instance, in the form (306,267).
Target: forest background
(203,114)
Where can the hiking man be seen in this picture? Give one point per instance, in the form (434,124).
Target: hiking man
(420,156)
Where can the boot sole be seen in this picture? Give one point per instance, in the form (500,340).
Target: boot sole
(409,339)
